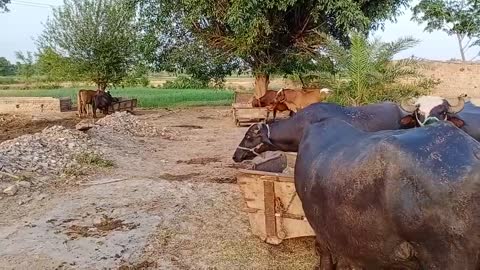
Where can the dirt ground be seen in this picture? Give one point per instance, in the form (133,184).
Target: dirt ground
(168,204)
(12,126)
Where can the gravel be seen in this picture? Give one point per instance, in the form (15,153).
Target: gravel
(125,123)
(46,152)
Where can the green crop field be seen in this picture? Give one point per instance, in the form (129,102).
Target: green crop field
(147,97)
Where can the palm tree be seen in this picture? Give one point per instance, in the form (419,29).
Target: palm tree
(370,71)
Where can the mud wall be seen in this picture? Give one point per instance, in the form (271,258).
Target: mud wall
(34,104)
(455,77)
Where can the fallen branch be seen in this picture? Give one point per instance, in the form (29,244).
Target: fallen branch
(103,182)
(10,175)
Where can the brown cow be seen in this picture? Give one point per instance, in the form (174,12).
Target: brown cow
(296,100)
(84,98)
(268,101)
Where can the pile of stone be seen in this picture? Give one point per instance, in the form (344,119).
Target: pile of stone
(47,152)
(125,123)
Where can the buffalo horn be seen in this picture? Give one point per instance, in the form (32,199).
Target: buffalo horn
(459,107)
(407,105)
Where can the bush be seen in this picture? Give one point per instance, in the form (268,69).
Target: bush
(371,75)
(30,86)
(183,82)
(8,80)
(132,81)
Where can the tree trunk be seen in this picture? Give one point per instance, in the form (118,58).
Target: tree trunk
(101,85)
(460,45)
(261,84)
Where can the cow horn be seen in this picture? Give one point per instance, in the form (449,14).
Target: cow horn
(407,106)
(459,107)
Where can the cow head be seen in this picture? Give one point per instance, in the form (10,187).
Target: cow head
(256,141)
(428,109)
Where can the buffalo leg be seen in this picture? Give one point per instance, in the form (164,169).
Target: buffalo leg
(268,115)
(325,261)
(94,110)
(80,109)
(291,114)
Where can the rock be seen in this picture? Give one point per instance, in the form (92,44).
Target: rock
(40,197)
(24,184)
(25,201)
(11,190)
(125,123)
(85,125)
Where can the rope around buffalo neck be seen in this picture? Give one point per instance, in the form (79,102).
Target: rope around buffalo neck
(426,120)
(258,146)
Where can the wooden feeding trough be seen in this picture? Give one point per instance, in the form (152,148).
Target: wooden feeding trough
(243,112)
(123,104)
(274,209)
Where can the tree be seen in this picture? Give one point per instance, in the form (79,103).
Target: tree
(200,62)
(372,75)
(98,36)
(6,68)
(3,5)
(56,67)
(455,17)
(170,47)
(266,34)
(25,64)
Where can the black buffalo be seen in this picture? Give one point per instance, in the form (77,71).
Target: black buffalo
(465,115)
(402,199)
(470,115)
(432,108)
(285,135)
(103,100)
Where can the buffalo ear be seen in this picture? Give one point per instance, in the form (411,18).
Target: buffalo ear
(456,121)
(408,121)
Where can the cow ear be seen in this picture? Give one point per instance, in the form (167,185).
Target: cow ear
(408,121)
(456,121)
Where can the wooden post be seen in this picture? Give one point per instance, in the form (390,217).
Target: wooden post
(270,219)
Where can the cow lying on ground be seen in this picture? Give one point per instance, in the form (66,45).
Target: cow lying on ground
(285,135)
(269,101)
(402,199)
(296,100)
(84,98)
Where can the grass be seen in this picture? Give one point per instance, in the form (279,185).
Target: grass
(147,97)
(93,160)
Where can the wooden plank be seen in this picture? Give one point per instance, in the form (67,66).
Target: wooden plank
(123,104)
(269,200)
(253,190)
(274,209)
(269,176)
(292,228)
(288,200)
(242,97)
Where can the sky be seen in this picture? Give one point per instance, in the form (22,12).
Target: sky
(24,22)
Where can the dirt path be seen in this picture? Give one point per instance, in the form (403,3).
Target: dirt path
(169,204)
